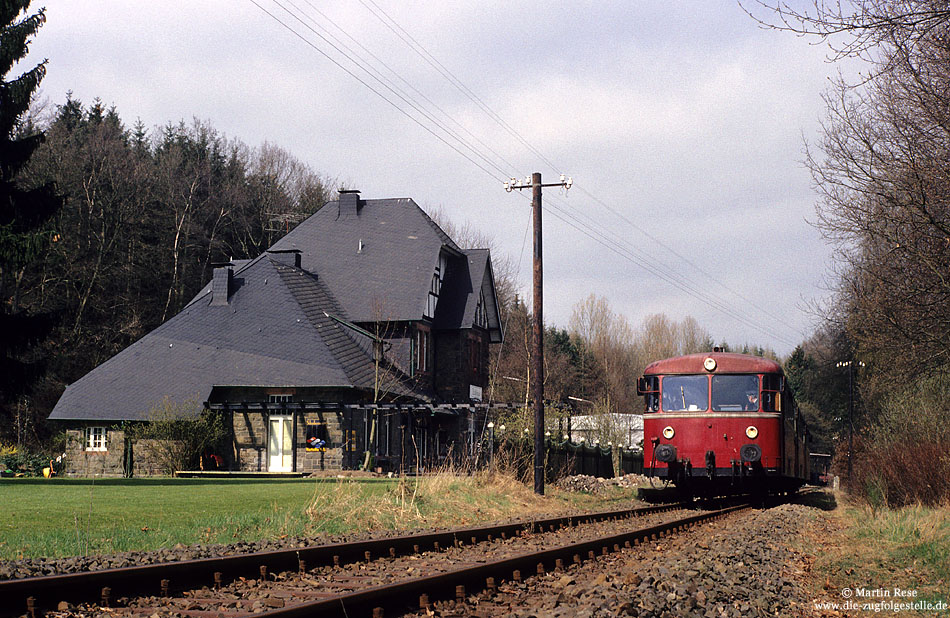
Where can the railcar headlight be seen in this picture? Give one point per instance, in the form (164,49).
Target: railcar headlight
(668,433)
(751,432)
(709,364)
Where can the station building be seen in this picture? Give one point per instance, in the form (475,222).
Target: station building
(364,329)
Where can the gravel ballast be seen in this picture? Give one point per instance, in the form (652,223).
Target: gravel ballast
(736,567)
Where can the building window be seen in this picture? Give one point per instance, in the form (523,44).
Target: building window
(422,351)
(95,438)
(433,299)
(318,438)
(475,357)
(435,288)
(278,398)
(481,316)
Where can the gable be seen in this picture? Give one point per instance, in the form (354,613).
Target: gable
(468,298)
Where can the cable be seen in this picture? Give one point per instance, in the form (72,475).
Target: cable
(524,242)
(370,87)
(663,271)
(595,229)
(630,255)
(419,49)
(411,42)
(572,221)
(367,68)
(677,254)
(411,87)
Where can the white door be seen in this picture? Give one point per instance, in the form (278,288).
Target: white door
(279,444)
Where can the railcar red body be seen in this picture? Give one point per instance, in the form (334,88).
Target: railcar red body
(722,421)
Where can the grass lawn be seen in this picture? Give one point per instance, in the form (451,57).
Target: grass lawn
(69,517)
(62,517)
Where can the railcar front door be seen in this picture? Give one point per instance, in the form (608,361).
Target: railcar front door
(280,443)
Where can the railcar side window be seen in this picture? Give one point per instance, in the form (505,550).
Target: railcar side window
(649,387)
(735,393)
(685,393)
(772,387)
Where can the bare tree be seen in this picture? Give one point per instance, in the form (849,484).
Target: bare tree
(609,338)
(286,191)
(883,173)
(856,28)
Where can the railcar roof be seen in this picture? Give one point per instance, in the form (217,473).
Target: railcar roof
(726,362)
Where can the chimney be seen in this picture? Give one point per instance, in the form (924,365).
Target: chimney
(221,285)
(290,257)
(349,201)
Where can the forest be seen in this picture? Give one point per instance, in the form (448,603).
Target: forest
(875,377)
(144,218)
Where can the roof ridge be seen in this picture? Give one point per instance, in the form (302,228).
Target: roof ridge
(206,289)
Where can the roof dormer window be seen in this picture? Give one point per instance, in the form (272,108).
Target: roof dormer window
(435,287)
(481,316)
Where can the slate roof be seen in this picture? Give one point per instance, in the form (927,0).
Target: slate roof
(272,331)
(282,326)
(378,256)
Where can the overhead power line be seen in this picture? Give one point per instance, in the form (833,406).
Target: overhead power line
(369,86)
(415,90)
(682,257)
(623,249)
(415,46)
(380,78)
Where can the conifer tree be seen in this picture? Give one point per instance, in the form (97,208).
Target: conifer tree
(24,211)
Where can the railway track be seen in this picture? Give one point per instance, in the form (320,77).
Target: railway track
(345,579)
(35,595)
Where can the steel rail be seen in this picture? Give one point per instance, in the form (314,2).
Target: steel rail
(35,594)
(399,597)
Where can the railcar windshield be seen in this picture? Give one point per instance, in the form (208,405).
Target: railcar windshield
(685,393)
(735,393)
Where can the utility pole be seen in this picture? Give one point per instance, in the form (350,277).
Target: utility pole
(850,365)
(537,347)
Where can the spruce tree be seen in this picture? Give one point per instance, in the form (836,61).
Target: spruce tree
(24,211)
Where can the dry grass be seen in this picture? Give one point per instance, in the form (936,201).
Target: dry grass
(69,517)
(917,472)
(442,499)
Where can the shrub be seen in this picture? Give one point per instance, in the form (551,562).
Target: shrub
(24,461)
(902,458)
(176,435)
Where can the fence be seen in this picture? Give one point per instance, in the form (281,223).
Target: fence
(569,458)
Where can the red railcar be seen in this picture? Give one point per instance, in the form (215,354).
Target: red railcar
(722,421)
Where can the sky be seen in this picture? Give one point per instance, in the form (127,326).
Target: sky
(683,126)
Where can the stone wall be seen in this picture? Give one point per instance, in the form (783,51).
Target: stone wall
(80,462)
(317,461)
(112,461)
(144,459)
(250,441)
